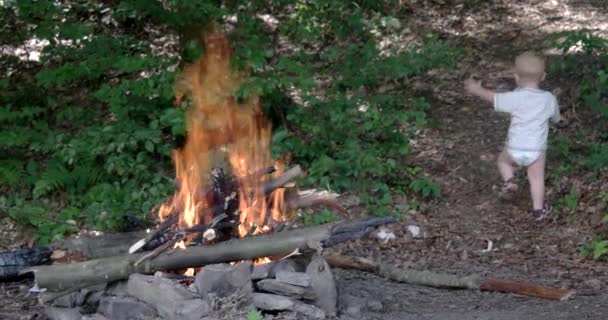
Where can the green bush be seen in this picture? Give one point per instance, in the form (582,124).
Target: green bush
(588,150)
(87,131)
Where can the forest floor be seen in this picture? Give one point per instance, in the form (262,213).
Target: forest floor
(459,152)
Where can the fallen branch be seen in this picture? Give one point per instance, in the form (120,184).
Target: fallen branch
(282,180)
(444,280)
(71,277)
(98,245)
(313,198)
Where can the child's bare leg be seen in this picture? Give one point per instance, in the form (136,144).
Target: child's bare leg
(505,166)
(536,178)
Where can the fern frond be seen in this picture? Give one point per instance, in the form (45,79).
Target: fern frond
(52,179)
(10,171)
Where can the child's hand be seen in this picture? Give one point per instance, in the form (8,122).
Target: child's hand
(472,86)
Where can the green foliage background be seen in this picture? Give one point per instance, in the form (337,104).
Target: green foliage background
(87,131)
(584,60)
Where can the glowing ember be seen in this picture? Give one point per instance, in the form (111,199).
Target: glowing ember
(221,132)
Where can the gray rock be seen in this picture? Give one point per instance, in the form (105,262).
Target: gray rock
(282,265)
(272,302)
(353,310)
(285,289)
(261,271)
(117,288)
(95,316)
(374,305)
(171,300)
(224,280)
(125,308)
(56,313)
(77,298)
(308,310)
(323,285)
(594,285)
(296,278)
(269,270)
(94,298)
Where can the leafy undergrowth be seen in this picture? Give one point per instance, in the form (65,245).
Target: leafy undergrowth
(88,124)
(580,148)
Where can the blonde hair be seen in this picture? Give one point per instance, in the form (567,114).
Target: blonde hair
(529,66)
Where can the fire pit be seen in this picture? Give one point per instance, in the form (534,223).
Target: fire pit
(229,239)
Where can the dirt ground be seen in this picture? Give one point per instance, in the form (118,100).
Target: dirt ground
(459,152)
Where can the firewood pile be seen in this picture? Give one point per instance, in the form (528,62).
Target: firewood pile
(145,275)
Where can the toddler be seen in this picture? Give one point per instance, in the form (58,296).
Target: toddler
(531,109)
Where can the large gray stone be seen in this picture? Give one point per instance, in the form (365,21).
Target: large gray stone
(78,298)
(295,278)
(125,308)
(323,285)
(224,280)
(272,302)
(285,289)
(171,300)
(269,270)
(57,313)
(117,288)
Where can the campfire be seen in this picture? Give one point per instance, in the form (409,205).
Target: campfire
(226,187)
(233,221)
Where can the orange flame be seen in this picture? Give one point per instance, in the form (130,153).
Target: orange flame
(221,132)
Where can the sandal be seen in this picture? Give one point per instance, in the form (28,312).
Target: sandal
(508,189)
(540,214)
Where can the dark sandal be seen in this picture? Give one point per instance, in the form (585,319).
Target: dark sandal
(540,214)
(508,189)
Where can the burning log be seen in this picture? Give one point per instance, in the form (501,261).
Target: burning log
(71,277)
(173,219)
(443,280)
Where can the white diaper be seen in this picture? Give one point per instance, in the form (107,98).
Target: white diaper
(524,158)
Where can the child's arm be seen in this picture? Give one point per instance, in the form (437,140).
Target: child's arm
(474,87)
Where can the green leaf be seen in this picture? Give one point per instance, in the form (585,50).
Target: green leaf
(149,146)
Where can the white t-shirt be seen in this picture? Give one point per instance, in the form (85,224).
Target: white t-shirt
(530,110)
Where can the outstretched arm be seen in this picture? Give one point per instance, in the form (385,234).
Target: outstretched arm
(474,87)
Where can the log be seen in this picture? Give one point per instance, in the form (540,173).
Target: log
(98,245)
(443,280)
(70,277)
(283,179)
(14,262)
